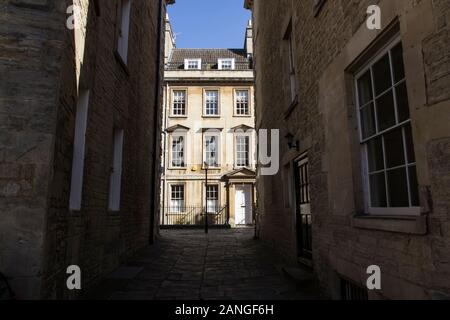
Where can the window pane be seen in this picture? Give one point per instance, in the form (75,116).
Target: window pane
(242,151)
(368,121)
(375,154)
(179,103)
(382,75)
(365,89)
(397,62)
(402,102)
(212,103)
(398,188)
(211,151)
(393,146)
(378,190)
(177,199)
(385,111)
(409,145)
(178,152)
(413,186)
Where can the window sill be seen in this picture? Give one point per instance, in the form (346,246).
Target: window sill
(243,167)
(121,62)
(242,115)
(178,168)
(178,117)
(213,117)
(212,168)
(397,224)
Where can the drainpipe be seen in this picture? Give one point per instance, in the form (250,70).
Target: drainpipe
(165,142)
(156,135)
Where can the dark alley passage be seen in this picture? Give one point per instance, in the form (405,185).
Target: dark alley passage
(189,265)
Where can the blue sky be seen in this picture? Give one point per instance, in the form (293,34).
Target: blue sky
(209,23)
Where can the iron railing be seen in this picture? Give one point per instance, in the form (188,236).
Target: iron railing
(194,216)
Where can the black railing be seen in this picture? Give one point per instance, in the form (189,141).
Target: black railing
(194,216)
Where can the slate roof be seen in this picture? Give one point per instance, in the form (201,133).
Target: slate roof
(210,58)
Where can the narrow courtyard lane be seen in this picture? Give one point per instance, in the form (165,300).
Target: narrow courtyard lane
(189,265)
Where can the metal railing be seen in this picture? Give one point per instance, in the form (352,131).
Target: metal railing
(194,216)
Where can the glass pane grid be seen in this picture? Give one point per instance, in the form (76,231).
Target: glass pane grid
(177,198)
(178,151)
(193,64)
(242,102)
(242,151)
(211,153)
(212,103)
(385,132)
(179,103)
(212,193)
(227,64)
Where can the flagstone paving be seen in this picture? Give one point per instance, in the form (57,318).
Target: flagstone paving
(189,265)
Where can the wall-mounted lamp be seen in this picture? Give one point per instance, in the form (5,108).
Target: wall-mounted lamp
(291,143)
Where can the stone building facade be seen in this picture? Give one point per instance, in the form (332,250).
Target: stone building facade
(365,162)
(79,138)
(208,118)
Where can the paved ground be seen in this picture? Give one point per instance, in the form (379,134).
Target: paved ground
(189,265)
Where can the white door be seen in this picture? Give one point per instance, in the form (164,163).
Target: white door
(243,205)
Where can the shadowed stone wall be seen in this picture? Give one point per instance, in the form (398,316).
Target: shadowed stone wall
(412,252)
(41,69)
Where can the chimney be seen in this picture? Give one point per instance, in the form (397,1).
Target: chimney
(170,40)
(249,39)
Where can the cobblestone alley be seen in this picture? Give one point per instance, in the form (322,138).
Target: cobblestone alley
(189,265)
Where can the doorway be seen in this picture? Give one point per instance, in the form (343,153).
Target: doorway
(303,210)
(243,205)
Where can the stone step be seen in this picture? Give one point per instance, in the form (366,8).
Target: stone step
(299,275)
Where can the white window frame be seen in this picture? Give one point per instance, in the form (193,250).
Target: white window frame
(236,103)
(115,181)
(188,61)
(249,137)
(206,102)
(172,107)
(218,158)
(79,149)
(232,62)
(174,135)
(391,211)
(217,200)
(182,207)
(124,29)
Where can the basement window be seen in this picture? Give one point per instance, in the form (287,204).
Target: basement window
(353,292)
(76,187)
(115,181)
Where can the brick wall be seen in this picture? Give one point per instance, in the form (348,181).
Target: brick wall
(43,89)
(31,45)
(413,266)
